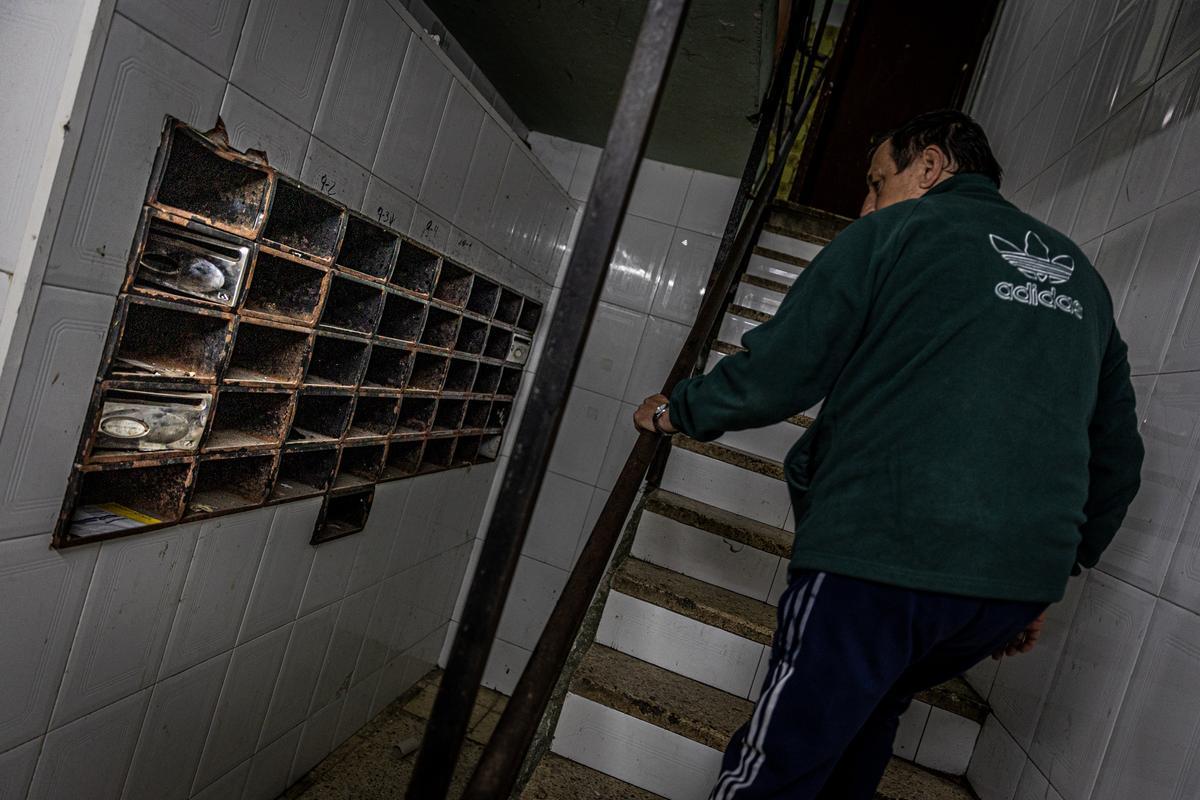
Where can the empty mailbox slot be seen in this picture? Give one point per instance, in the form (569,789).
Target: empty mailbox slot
(169,342)
(471,336)
(389,367)
(353,305)
(428,372)
(437,455)
(373,416)
(226,484)
(359,466)
(498,343)
(453,285)
(337,361)
(416,268)
(304,221)
(467,451)
(510,381)
(187,262)
(125,499)
(483,298)
(461,375)
(303,473)
(441,328)
(403,459)
(499,415)
(320,417)
(416,415)
(342,515)
(284,289)
(368,248)
(531,315)
(477,414)
(487,379)
(198,180)
(249,419)
(402,318)
(449,415)
(489,449)
(508,310)
(267,354)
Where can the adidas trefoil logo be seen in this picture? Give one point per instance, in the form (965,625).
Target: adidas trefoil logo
(1034,261)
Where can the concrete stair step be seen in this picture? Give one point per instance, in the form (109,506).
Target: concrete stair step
(558,778)
(781,256)
(800,221)
(766,283)
(749,313)
(718,521)
(729,455)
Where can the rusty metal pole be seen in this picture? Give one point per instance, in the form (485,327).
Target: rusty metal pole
(585,274)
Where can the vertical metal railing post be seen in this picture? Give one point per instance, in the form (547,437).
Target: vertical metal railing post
(564,342)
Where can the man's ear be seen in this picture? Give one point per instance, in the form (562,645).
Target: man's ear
(935,167)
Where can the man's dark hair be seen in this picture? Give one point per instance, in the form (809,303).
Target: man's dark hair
(961,138)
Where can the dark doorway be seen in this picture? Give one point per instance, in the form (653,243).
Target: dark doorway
(895,61)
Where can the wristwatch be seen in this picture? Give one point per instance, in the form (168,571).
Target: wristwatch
(658,412)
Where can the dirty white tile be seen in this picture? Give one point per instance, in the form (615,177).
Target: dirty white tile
(557,154)
(982,676)
(376,539)
(505,664)
(586,427)
(89,757)
(298,674)
(377,639)
(756,297)
(207,30)
(656,354)
(218,584)
(908,734)
(271,767)
(317,739)
(659,191)
(329,574)
(242,706)
(285,52)
(388,205)
(996,764)
(173,733)
(585,172)
(637,263)
(608,356)
(1116,142)
(126,619)
(253,126)
(1120,251)
(353,616)
(800,248)
(741,491)
(451,154)
(481,181)
(535,589)
(357,708)
(16,768)
(44,591)
(366,63)
(708,202)
(413,120)
(283,570)
(948,742)
(333,174)
(141,78)
(557,521)
(773,441)
(508,200)
(685,274)
(620,443)
(430,229)
(228,785)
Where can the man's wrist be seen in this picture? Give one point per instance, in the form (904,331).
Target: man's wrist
(661,413)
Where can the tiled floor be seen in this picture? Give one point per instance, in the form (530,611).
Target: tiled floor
(378,761)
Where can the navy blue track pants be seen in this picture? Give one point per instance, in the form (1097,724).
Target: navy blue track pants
(847,658)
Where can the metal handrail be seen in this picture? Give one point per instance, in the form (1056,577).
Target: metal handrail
(609,197)
(499,765)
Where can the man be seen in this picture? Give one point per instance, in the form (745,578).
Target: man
(977,444)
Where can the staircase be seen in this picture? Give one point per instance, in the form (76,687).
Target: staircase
(682,644)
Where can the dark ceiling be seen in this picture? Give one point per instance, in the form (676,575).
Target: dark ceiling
(559,64)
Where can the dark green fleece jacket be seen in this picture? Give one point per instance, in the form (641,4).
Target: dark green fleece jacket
(978,435)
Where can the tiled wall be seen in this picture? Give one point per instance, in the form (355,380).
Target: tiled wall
(223,659)
(662,260)
(1091,105)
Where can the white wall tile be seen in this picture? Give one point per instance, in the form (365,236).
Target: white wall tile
(430,229)
(612,344)
(586,426)
(126,619)
(1120,251)
(637,263)
(366,63)
(656,354)
(141,78)
(1087,692)
(709,200)
(330,571)
(948,742)
(908,733)
(620,443)
(535,590)
(1032,784)
(741,491)
(16,769)
(207,30)
(585,172)
(90,756)
(505,664)
(388,205)
(218,585)
(285,52)
(357,708)
(659,191)
(376,539)
(228,785)
(413,120)
(1155,741)
(685,274)
(354,614)
(557,155)
(317,739)
(44,591)
(283,569)
(377,640)
(557,521)
(242,706)
(997,762)
(482,179)
(299,672)
(507,205)
(771,442)
(253,126)
(333,174)
(271,767)
(451,154)
(173,733)
(1116,142)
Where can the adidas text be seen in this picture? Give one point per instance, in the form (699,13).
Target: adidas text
(1030,295)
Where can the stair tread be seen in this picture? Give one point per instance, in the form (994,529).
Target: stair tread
(904,780)
(661,697)
(766,283)
(957,697)
(780,256)
(801,235)
(749,313)
(704,602)
(558,778)
(718,521)
(731,455)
